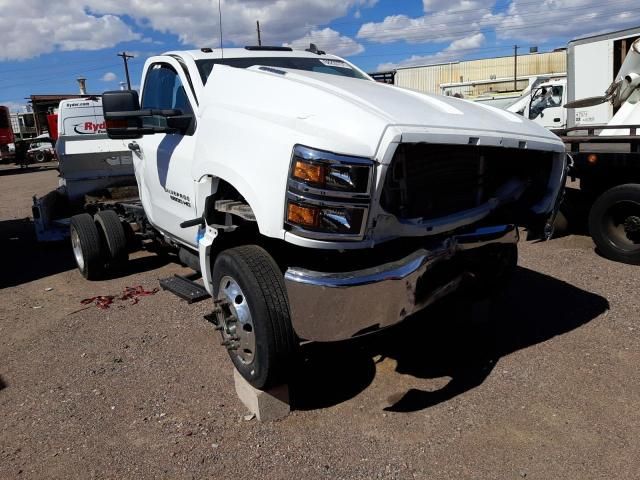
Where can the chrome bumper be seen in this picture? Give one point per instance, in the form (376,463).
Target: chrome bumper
(327,307)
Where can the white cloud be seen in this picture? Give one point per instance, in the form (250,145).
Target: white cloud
(14,106)
(35,27)
(444,21)
(109,77)
(551,19)
(330,41)
(196,22)
(452,53)
(31,28)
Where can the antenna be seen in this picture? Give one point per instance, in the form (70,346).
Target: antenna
(259,36)
(220,16)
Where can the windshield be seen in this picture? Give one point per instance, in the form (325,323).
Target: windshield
(320,65)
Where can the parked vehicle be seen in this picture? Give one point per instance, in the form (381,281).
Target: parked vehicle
(544,104)
(6,135)
(317,204)
(606,160)
(41,149)
(93,169)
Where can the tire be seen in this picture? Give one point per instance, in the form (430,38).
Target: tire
(40,157)
(560,225)
(614,223)
(87,246)
(250,280)
(115,237)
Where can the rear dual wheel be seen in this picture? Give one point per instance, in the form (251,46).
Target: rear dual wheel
(98,243)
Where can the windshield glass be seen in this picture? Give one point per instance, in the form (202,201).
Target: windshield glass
(320,65)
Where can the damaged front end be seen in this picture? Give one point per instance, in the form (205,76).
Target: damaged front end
(430,189)
(441,216)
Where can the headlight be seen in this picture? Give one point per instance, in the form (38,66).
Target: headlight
(330,174)
(328,194)
(335,220)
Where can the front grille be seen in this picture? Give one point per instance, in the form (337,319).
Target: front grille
(431,180)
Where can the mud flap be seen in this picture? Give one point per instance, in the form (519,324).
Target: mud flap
(206,237)
(44,210)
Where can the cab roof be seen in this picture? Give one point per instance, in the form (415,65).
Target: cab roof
(246,52)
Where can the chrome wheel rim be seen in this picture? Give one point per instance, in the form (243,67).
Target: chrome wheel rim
(77,250)
(238,330)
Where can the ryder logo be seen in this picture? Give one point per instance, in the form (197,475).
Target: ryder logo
(88,128)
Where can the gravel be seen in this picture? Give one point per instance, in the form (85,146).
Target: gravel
(550,388)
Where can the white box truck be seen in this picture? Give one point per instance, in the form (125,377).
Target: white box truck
(592,65)
(90,163)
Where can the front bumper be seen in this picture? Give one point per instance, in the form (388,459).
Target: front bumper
(328,307)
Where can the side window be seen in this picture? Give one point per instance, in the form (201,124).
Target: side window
(544,98)
(163,89)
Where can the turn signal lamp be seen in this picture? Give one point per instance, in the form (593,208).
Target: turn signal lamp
(592,159)
(309,172)
(302,215)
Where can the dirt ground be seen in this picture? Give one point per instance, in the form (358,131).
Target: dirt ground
(550,389)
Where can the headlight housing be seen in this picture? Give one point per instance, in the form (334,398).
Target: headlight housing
(328,195)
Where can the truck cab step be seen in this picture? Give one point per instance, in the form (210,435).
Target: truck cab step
(184,288)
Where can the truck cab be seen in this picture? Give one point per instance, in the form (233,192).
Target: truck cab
(545,106)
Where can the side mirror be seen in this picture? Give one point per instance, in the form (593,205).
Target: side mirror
(126,121)
(121,110)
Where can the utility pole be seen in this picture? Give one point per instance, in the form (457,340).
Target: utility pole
(125,58)
(259,37)
(515,68)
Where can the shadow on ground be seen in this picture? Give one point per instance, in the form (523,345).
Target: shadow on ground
(24,260)
(451,339)
(30,169)
(2,384)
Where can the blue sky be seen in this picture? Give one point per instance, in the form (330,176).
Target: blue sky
(51,43)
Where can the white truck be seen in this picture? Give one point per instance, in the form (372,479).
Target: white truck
(317,204)
(90,164)
(592,64)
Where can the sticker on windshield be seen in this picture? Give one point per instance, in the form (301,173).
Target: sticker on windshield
(335,63)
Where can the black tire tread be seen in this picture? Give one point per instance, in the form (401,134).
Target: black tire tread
(599,207)
(114,235)
(272,288)
(91,245)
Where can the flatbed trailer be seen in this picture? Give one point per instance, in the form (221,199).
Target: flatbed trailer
(606,161)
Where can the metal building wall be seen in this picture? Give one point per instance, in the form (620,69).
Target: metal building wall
(429,78)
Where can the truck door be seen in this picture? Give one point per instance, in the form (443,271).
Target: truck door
(167,189)
(546,107)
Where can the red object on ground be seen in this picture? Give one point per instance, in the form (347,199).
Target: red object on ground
(129,293)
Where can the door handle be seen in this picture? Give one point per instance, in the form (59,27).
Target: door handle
(556,119)
(134,147)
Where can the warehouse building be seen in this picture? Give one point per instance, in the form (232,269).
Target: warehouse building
(478,78)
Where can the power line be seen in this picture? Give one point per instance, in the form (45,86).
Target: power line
(451,35)
(463,10)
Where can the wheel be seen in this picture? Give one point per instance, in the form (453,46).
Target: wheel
(40,157)
(87,246)
(115,237)
(252,313)
(614,223)
(560,225)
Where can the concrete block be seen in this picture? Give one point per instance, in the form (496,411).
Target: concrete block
(266,405)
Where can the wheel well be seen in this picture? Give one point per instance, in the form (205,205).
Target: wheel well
(243,228)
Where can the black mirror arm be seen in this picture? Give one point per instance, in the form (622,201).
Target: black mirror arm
(143,113)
